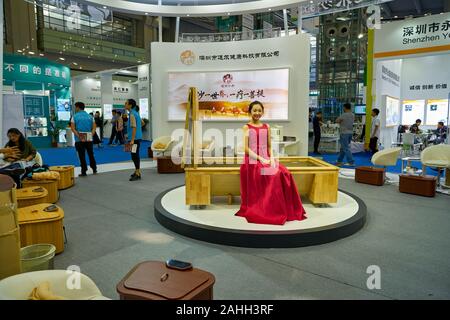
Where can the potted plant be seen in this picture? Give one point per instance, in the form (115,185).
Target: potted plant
(55,129)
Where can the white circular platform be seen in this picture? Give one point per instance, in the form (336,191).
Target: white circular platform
(217,222)
(221,215)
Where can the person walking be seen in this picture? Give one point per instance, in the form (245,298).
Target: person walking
(113,127)
(99,123)
(83,127)
(119,128)
(375,131)
(317,123)
(346,121)
(125,125)
(135,136)
(98,137)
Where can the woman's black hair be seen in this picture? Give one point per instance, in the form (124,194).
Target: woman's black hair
(254,103)
(133,104)
(21,139)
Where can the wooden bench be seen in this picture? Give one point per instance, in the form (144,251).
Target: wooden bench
(314,178)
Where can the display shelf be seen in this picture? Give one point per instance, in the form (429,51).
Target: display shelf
(35,126)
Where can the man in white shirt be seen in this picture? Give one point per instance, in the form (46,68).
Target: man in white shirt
(375,131)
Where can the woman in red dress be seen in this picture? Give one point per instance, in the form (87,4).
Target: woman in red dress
(268,191)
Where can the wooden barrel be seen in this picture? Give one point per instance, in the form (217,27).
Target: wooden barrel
(67,176)
(9,229)
(50,185)
(30,196)
(39,226)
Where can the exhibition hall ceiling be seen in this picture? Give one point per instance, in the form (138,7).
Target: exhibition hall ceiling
(192,2)
(399,9)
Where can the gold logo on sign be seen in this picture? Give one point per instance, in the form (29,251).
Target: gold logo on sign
(187,57)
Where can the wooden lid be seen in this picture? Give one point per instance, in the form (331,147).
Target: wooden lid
(6,183)
(367,168)
(417,177)
(35,213)
(147,277)
(31,181)
(61,168)
(28,193)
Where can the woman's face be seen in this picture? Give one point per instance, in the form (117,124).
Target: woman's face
(127,106)
(257,112)
(14,137)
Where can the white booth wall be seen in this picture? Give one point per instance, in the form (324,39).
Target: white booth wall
(89,91)
(294,53)
(418,59)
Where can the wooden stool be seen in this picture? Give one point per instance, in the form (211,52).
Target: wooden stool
(39,226)
(67,176)
(165,165)
(370,175)
(9,229)
(28,196)
(50,185)
(152,280)
(419,185)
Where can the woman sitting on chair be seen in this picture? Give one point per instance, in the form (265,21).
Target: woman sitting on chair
(26,148)
(18,155)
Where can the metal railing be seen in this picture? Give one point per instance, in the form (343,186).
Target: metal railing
(232,36)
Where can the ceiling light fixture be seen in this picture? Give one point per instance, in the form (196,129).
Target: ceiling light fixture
(31,52)
(20,51)
(270,9)
(105,7)
(62,59)
(360,36)
(41,54)
(75,63)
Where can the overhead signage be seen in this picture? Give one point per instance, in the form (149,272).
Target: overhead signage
(20,68)
(413,36)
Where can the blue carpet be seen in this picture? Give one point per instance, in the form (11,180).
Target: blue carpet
(363,159)
(111,154)
(107,154)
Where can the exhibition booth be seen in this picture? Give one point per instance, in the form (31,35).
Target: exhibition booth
(228,76)
(108,90)
(36,98)
(411,79)
(206,89)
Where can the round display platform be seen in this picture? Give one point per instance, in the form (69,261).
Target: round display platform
(217,223)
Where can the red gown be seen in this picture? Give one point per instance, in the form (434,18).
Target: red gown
(268,195)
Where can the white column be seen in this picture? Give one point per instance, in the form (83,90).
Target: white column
(285,20)
(177,29)
(300,19)
(1,75)
(106,89)
(145,98)
(160,25)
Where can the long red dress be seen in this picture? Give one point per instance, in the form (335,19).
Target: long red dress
(268,195)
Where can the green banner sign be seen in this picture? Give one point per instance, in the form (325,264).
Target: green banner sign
(40,70)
